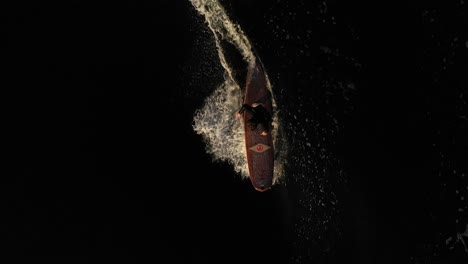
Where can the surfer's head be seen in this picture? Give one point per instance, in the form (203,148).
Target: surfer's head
(252,124)
(262,127)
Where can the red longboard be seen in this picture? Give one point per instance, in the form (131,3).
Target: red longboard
(259,149)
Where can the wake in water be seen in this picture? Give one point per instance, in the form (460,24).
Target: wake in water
(215,121)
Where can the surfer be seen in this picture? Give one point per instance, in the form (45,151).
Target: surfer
(261,118)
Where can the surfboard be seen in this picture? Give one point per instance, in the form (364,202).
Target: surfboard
(259,149)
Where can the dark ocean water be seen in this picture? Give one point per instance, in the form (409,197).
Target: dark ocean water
(372,102)
(108,167)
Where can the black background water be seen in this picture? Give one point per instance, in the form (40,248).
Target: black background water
(107,166)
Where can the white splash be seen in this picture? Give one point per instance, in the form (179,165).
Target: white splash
(215,121)
(459,238)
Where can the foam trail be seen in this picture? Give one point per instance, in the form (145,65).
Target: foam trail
(223,28)
(215,121)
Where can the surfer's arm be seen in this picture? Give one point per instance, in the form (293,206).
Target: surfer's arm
(242,109)
(256,104)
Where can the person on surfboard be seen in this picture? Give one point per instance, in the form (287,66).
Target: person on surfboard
(261,118)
